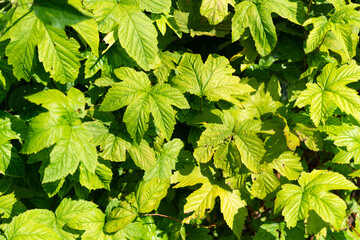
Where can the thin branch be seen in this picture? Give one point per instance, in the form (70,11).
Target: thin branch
(178,220)
(161,215)
(305,33)
(352,227)
(318,48)
(355,214)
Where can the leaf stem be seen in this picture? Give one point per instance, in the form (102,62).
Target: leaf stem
(305,33)
(318,48)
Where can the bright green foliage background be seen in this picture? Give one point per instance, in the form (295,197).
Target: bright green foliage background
(179,119)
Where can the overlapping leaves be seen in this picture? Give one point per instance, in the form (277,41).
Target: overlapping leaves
(331,92)
(203,199)
(58,53)
(340,24)
(61,126)
(237,136)
(213,80)
(142,99)
(135,31)
(313,194)
(256,15)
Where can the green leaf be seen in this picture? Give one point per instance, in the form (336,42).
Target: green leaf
(156,6)
(215,11)
(260,103)
(201,200)
(143,155)
(213,80)
(69,209)
(134,230)
(340,24)
(136,33)
(228,158)
(61,126)
(234,210)
(264,183)
(310,136)
(87,29)
(58,53)
(312,194)
(92,221)
(142,99)
(150,193)
(295,206)
(42,135)
(243,135)
(11,163)
(6,130)
(6,205)
(25,226)
(257,17)
(166,161)
(100,179)
(331,91)
(58,14)
(120,217)
(68,152)
(210,141)
(81,215)
(288,164)
(347,136)
(21,48)
(114,148)
(193,177)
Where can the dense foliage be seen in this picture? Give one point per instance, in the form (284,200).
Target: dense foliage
(179,119)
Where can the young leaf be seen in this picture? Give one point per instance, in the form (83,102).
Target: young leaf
(120,217)
(288,164)
(264,183)
(212,80)
(312,194)
(241,133)
(100,179)
(142,99)
(331,91)
(215,11)
(166,161)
